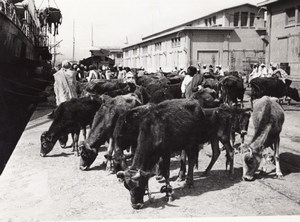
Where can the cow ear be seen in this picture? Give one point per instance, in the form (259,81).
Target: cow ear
(288,82)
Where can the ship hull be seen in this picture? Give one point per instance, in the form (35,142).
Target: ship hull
(23,78)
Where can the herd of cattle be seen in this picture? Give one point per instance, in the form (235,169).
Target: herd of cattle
(152,121)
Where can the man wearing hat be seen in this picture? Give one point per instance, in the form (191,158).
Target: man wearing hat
(277,72)
(64,84)
(262,71)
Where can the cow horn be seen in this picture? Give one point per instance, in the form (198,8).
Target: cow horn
(137,175)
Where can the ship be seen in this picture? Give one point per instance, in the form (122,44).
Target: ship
(25,70)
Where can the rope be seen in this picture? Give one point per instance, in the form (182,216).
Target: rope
(41,5)
(55,4)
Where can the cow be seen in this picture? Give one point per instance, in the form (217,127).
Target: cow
(232,88)
(268,118)
(274,87)
(169,126)
(103,127)
(111,88)
(240,125)
(70,117)
(127,126)
(218,122)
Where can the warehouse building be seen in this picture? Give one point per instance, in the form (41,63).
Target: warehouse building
(283,35)
(232,37)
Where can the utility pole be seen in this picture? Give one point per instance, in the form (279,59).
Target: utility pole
(92,35)
(73,59)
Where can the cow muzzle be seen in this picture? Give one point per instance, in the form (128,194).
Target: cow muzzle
(137,206)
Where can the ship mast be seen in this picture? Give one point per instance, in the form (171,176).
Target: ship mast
(73,59)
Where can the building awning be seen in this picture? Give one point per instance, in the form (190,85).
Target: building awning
(266,2)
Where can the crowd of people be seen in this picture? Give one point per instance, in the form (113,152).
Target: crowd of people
(194,78)
(67,75)
(262,71)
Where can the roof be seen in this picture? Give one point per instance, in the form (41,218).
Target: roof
(266,2)
(190,22)
(184,28)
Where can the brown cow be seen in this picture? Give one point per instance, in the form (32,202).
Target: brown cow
(268,118)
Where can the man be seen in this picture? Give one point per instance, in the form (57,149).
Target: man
(64,84)
(277,72)
(129,77)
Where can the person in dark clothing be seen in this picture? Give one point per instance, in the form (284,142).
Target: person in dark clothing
(197,81)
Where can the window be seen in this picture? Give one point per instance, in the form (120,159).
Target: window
(126,53)
(209,21)
(290,16)
(298,21)
(244,18)
(158,46)
(119,55)
(214,20)
(175,42)
(135,52)
(252,17)
(145,49)
(236,19)
(206,22)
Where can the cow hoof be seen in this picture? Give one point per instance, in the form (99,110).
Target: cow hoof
(83,168)
(248,178)
(279,176)
(169,199)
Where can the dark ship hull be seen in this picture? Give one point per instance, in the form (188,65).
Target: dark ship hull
(24,74)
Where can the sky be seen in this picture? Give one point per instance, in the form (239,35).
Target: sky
(114,21)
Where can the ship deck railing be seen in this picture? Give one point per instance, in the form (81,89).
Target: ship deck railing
(9,10)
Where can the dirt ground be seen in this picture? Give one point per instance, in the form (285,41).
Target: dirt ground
(53,188)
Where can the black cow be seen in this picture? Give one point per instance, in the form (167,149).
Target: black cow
(103,127)
(240,125)
(70,117)
(169,126)
(232,88)
(273,87)
(218,123)
(127,126)
(111,88)
(268,118)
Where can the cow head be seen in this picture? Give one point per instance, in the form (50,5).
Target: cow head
(135,181)
(47,143)
(241,122)
(251,161)
(293,93)
(87,155)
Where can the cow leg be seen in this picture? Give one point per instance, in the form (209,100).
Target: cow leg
(159,175)
(181,175)
(276,155)
(165,170)
(215,155)
(75,141)
(108,155)
(192,160)
(84,132)
(229,157)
